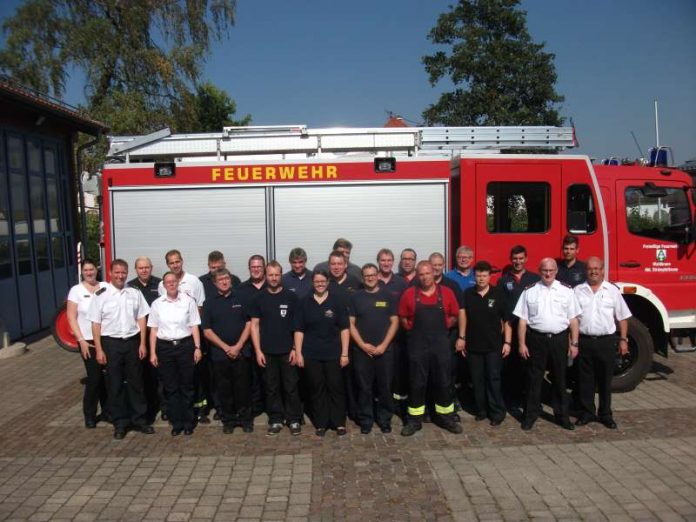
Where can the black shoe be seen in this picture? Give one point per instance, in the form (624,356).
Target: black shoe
(609,423)
(228,428)
(527,424)
(448,423)
(341,431)
(480,417)
(320,432)
(248,428)
(295,428)
(385,428)
(188,431)
(582,421)
(496,422)
(176,432)
(216,415)
(274,429)
(147,429)
(566,424)
(365,430)
(90,424)
(410,428)
(119,434)
(165,417)
(456,417)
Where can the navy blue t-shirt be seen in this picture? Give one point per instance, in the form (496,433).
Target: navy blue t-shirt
(227,317)
(322,325)
(372,312)
(276,314)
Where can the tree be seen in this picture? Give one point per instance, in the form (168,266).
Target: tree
(500,76)
(141,59)
(209,110)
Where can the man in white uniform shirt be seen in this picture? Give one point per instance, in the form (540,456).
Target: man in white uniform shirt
(118,316)
(547,311)
(189,284)
(602,306)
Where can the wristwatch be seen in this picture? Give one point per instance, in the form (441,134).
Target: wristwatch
(574,344)
(625,339)
(462,337)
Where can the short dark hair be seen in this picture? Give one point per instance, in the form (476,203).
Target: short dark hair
(571,240)
(119,262)
(221,272)
(297,253)
(168,273)
(518,249)
(322,273)
(88,261)
(172,253)
(257,257)
(342,242)
(336,253)
(369,266)
(215,255)
(385,252)
(483,266)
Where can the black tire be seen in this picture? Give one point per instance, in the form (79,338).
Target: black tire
(630,370)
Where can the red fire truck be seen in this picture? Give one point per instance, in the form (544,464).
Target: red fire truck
(268,189)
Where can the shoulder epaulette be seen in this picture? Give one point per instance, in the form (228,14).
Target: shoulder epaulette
(100,291)
(565,284)
(617,286)
(530,285)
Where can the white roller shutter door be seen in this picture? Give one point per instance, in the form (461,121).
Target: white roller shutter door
(149,222)
(372,217)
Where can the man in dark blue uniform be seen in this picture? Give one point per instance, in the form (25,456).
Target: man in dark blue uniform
(571,270)
(373,325)
(299,278)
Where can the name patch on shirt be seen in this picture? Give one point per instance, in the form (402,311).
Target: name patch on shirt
(328,314)
(380,304)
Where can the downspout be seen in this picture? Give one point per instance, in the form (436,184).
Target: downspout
(81,194)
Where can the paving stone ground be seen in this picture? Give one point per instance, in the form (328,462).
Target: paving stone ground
(52,468)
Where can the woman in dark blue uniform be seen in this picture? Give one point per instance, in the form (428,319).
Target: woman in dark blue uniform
(321,348)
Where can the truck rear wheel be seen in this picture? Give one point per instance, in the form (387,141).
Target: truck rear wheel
(631,369)
(60,328)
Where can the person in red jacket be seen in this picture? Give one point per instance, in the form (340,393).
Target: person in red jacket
(427,313)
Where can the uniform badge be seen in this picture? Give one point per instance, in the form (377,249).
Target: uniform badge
(328,314)
(509,285)
(491,303)
(283,310)
(380,304)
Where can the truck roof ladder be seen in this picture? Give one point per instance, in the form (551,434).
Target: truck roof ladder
(299,140)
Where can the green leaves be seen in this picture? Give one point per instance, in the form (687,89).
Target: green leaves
(500,76)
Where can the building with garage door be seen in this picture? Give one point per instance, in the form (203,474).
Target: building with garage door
(39,224)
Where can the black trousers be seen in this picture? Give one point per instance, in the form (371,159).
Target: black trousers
(233,382)
(127,404)
(204,383)
(282,391)
(551,352)
(514,374)
(485,370)
(154,392)
(327,392)
(430,366)
(176,371)
(95,387)
(400,381)
(595,371)
(373,378)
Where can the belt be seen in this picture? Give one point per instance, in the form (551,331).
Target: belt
(546,334)
(603,336)
(122,338)
(174,342)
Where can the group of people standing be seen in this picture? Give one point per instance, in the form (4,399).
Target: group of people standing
(343,341)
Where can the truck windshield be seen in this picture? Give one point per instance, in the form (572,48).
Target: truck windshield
(663,215)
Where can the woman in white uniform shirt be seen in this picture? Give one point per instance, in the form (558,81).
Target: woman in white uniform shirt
(175,348)
(79,299)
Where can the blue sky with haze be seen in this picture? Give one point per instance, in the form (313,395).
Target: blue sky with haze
(330,63)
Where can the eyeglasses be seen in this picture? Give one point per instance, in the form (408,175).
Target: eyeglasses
(369,275)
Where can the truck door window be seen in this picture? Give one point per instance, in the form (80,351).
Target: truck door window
(582,217)
(662,214)
(518,207)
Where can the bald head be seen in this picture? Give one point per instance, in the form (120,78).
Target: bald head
(595,271)
(548,270)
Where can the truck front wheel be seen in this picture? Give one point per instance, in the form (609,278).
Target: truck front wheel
(631,369)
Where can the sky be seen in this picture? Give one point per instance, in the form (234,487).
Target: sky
(333,63)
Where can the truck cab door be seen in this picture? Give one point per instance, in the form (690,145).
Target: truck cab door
(516,203)
(655,234)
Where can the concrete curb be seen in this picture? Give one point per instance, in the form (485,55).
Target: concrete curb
(13,350)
